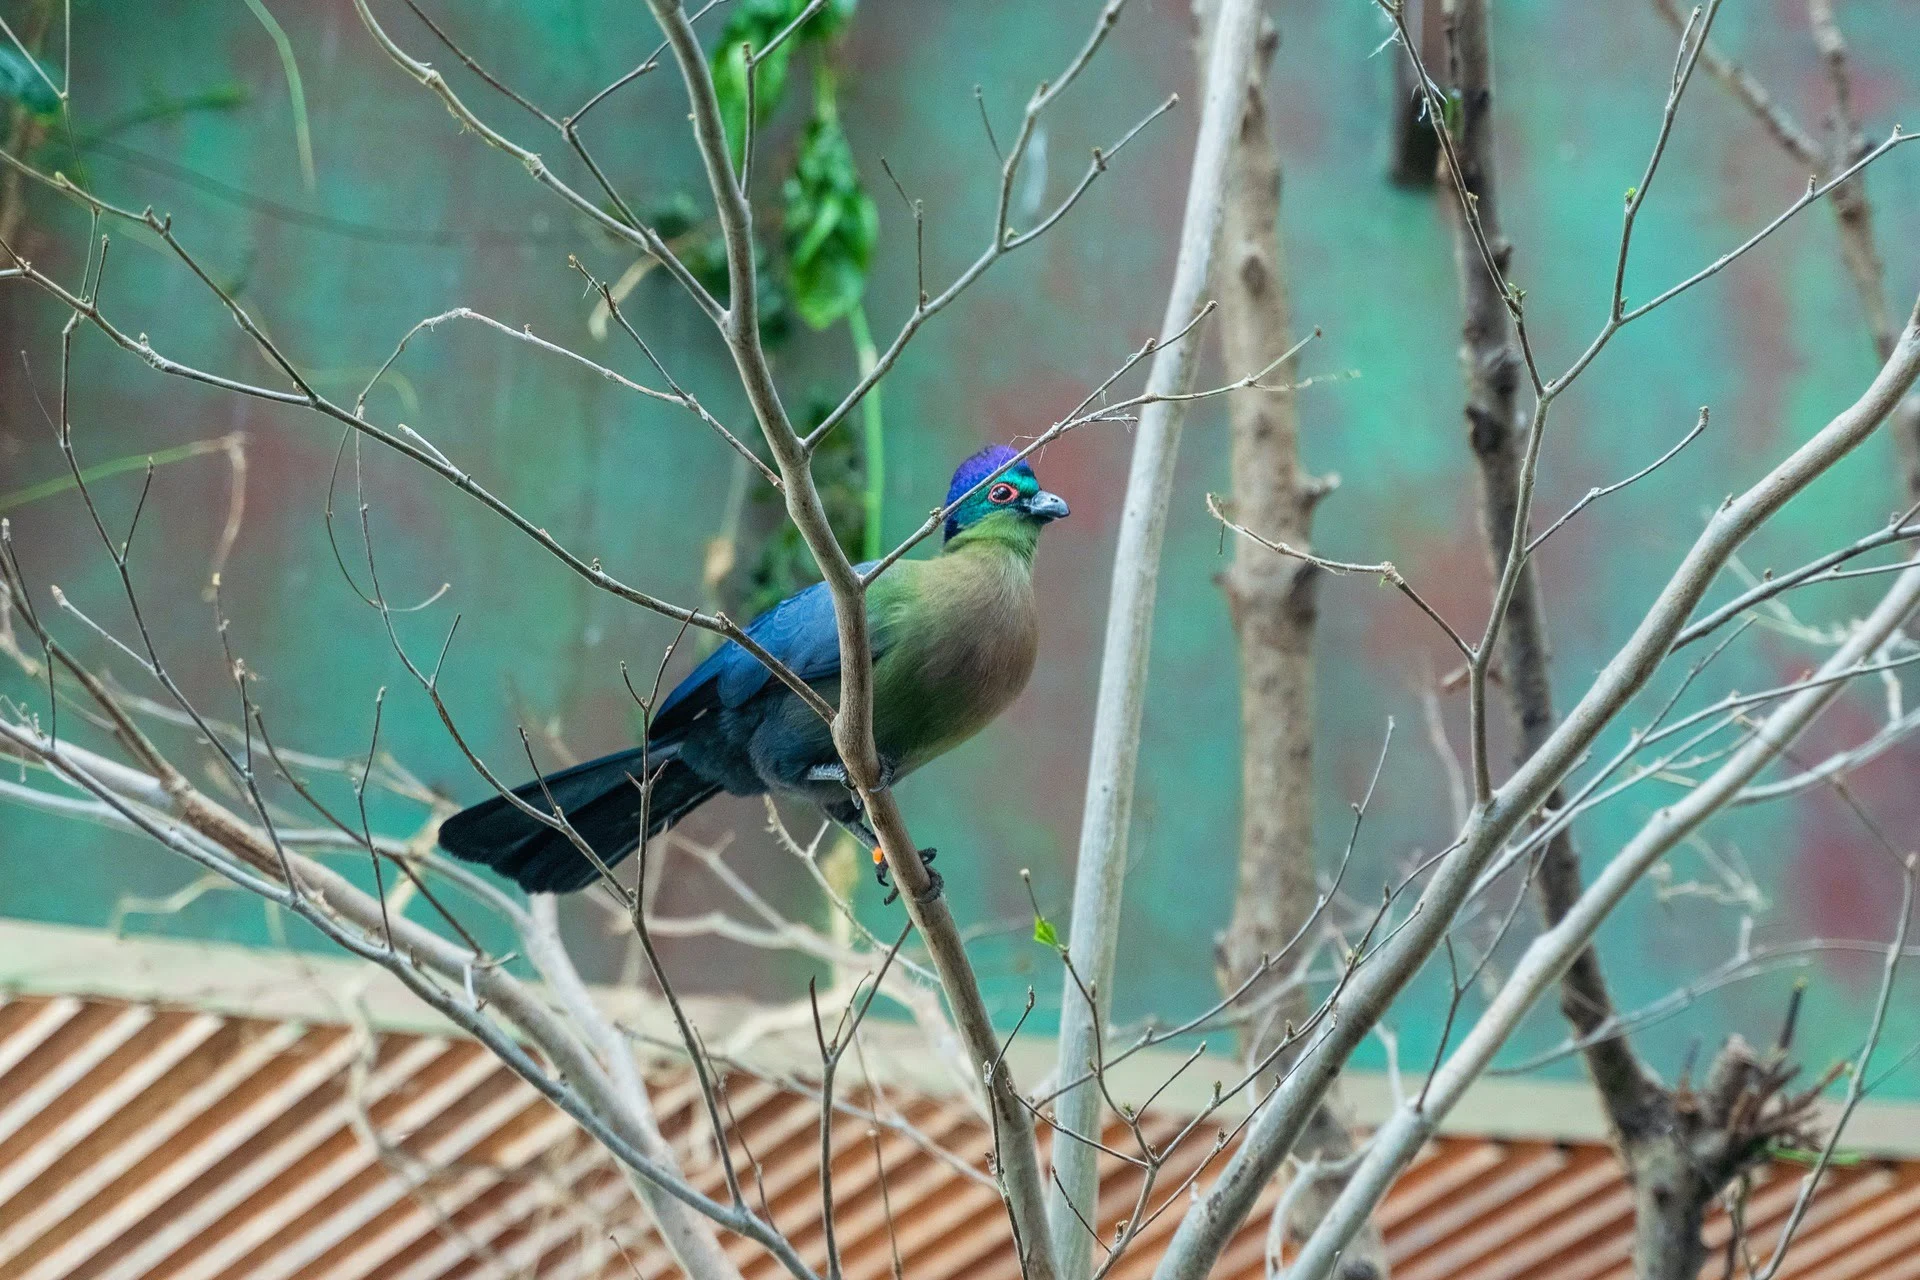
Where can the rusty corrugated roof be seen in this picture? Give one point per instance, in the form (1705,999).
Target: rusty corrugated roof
(140,1141)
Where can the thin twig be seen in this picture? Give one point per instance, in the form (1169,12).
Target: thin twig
(1593,495)
(1384,570)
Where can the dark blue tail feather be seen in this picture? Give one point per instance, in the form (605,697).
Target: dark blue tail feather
(602,801)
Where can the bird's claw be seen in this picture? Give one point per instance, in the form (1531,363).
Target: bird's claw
(837,772)
(934,883)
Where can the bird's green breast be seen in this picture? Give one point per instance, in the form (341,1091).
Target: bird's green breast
(965,633)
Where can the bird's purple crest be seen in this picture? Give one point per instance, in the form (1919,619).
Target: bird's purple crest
(978,467)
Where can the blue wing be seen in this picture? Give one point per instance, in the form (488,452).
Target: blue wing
(799,631)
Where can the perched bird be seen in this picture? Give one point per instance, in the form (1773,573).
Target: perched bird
(953,640)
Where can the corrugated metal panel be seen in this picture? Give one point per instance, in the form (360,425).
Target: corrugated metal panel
(142,1142)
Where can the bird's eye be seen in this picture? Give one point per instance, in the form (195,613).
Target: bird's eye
(1001,494)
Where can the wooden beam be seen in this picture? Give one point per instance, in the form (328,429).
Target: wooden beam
(36,1030)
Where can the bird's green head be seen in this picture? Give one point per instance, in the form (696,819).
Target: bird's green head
(998,495)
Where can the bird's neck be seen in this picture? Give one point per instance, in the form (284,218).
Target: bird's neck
(1000,533)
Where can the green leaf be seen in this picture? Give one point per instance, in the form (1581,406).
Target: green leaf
(730,87)
(873,441)
(830,225)
(1044,932)
(1800,1155)
(27,82)
(757,23)
(296,95)
(1453,111)
(162,108)
(826,217)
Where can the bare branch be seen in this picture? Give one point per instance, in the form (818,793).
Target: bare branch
(1815,191)
(1549,954)
(630,231)
(1897,530)
(1094,934)
(853,721)
(1384,570)
(1208,1224)
(1749,92)
(690,1240)
(402,441)
(1594,495)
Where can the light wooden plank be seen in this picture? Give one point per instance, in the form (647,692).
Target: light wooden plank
(70,1070)
(501,1218)
(96,1109)
(291,1253)
(258,1171)
(314,1185)
(35,1032)
(1515,1178)
(378,1247)
(78,1192)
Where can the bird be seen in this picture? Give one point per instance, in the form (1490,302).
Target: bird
(954,639)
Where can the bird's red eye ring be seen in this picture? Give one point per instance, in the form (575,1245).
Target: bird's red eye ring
(1001,494)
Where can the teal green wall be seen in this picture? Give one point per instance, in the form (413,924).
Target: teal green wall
(423,219)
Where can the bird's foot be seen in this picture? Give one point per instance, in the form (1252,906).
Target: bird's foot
(934,886)
(837,772)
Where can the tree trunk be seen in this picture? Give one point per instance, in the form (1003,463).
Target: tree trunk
(1101,867)
(1272,604)
(1858,247)
(1858,250)
(1413,153)
(23,133)
(1676,1166)
(1494,372)
(1669,1208)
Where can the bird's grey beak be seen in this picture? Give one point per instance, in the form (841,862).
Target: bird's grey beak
(1044,506)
